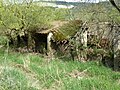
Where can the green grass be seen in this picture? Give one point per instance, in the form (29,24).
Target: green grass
(12,79)
(32,72)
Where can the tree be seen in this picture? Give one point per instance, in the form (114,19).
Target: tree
(114,4)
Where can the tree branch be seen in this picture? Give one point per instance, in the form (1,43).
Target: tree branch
(114,4)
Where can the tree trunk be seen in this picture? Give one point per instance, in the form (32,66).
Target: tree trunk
(29,45)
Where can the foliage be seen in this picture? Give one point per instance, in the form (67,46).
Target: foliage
(20,19)
(3,40)
(56,74)
(100,12)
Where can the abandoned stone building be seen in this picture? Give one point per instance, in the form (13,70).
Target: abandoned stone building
(68,37)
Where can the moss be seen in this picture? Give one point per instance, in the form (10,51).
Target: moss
(68,30)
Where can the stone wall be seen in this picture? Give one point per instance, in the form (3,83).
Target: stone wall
(111,32)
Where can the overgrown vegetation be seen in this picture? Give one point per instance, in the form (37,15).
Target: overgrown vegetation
(20,24)
(18,20)
(32,72)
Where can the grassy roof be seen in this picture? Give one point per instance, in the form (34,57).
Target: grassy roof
(68,29)
(61,29)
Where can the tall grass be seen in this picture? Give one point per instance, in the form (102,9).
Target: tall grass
(39,74)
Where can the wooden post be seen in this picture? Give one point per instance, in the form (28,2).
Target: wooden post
(84,38)
(84,45)
(49,49)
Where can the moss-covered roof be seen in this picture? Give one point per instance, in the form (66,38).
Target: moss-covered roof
(63,29)
(54,27)
(68,30)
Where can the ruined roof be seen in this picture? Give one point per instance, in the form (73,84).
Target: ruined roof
(63,29)
(68,30)
(55,25)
